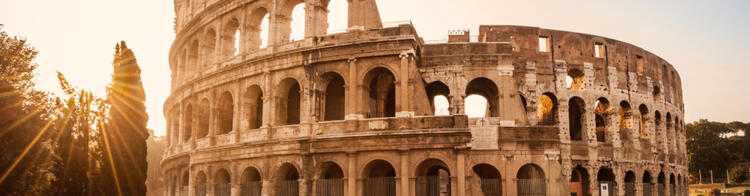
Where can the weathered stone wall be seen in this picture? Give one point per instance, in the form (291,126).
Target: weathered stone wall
(273,114)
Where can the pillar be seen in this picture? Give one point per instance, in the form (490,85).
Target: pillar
(352,91)
(402,90)
(461,173)
(351,174)
(404,173)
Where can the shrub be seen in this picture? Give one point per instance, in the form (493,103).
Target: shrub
(738,175)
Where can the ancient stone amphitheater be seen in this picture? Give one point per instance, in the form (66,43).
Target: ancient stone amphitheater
(354,113)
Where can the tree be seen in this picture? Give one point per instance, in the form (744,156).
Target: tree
(738,175)
(155,181)
(125,137)
(706,149)
(25,132)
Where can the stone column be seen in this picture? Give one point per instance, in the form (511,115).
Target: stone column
(461,173)
(402,95)
(352,91)
(267,189)
(351,174)
(404,174)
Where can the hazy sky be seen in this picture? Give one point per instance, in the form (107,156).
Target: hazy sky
(707,41)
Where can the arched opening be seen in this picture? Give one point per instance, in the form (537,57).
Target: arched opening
(287,183)
(487,89)
(646,182)
(187,123)
(629,183)
(438,93)
(662,184)
(258,28)
(433,178)
(574,80)
(381,93)
(230,38)
(292,20)
(337,16)
(330,181)
(669,132)
(576,109)
(203,118)
(192,58)
(209,47)
(672,187)
(655,94)
(225,112)
(606,179)
(625,115)
(657,124)
(200,184)
(254,107)
(546,109)
(601,112)
(252,185)
(288,111)
(380,179)
(579,182)
(333,96)
(222,186)
(174,136)
(679,185)
(173,188)
(644,132)
(531,181)
(185,183)
(489,179)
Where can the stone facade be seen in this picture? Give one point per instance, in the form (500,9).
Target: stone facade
(352,113)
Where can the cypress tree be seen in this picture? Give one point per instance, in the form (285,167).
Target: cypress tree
(125,137)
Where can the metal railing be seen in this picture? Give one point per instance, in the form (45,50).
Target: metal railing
(287,188)
(629,189)
(200,190)
(432,186)
(647,189)
(672,190)
(252,188)
(661,189)
(329,187)
(492,186)
(381,186)
(532,187)
(223,189)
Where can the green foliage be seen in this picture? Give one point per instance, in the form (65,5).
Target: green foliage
(738,175)
(709,148)
(155,181)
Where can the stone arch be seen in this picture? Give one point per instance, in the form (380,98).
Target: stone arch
(643,122)
(380,92)
(326,26)
(209,46)
(174,135)
(573,45)
(625,115)
(629,183)
(222,183)
(332,96)
(258,24)
(433,177)
(284,18)
(379,178)
(575,80)
(672,186)
(289,95)
(579,181)
(253,107)
(607,176)
(434,91)
(547,109)
(490,179)
(185,181)
(225,112)
(576,118)
(252,182)
(200,184)
(287,180)
(203,118)
(646,183)
(656,93)
(230,36)
(601,114)
(531,180)
(661,180)
(187,123)
(488,90)
(330,180)
(193,64)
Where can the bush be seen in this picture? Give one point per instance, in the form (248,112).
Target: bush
(738,175)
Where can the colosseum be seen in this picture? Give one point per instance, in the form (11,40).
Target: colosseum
(355,112)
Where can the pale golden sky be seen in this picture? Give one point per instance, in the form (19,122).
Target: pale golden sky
(706,41)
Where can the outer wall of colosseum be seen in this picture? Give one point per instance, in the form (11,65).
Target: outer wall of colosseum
(353,113)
